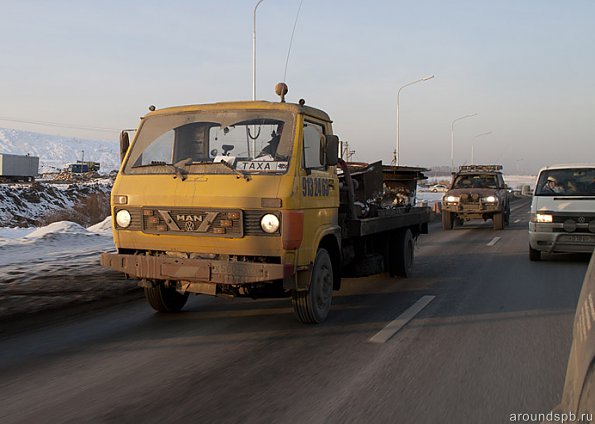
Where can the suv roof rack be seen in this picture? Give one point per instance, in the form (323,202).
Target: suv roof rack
(480,168)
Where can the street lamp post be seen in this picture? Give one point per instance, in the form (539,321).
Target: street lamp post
(473,144)
(254,51)
(396,155)
(452,140)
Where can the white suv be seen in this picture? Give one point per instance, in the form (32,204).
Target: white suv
(563,210)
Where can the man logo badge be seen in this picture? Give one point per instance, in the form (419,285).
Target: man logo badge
(187,222)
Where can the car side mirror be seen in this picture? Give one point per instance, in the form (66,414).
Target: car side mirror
(331,149)
(124,144)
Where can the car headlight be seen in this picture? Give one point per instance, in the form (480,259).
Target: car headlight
(490,199)
(542,217)
(269,223)
(451,199)
(123,218)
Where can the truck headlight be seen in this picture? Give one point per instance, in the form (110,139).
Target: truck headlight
(451,199)
(123,218)
(542,217)
(269,223)
(490,199)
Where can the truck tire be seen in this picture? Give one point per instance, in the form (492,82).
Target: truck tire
(534,254)
(401,264)
(165,299)
(448,219)
(498,219)
(312,306)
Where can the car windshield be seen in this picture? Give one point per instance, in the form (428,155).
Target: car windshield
(566,182)
(247,141)
(476,181)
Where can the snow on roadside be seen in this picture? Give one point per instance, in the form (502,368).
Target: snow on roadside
(59,243)
(103,227)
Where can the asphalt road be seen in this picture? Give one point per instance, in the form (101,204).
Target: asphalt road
(494,341)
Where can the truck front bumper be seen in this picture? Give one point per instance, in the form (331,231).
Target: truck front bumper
(473,210)
(196,270)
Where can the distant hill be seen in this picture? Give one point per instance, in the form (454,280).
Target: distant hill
(55,152)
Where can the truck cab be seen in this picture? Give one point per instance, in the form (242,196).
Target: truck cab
(232,199)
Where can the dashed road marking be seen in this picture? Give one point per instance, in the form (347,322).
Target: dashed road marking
(395,325)
(516,221)
(494,241)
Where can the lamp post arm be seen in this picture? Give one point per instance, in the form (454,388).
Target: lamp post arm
(452,139)
(473,145)
(398,99)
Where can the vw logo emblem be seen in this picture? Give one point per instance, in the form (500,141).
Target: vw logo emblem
(189,225)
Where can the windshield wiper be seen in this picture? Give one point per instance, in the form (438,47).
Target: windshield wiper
(237,171)
(181,173)
(153,163)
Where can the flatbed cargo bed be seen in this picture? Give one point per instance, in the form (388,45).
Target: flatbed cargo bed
(387,219)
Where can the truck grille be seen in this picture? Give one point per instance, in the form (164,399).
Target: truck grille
(195,222)
(152,221)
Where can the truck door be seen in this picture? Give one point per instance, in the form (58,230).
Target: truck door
(319,187)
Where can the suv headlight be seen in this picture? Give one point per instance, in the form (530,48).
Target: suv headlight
(123,218)
(451,199)
(490,199)
(269,223)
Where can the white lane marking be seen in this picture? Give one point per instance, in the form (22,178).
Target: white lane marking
(516,221)
(395,325)
(494,241)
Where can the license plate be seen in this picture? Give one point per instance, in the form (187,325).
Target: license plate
(576,238)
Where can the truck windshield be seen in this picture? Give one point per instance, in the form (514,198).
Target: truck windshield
(476,181)
(247,141)
(566,182)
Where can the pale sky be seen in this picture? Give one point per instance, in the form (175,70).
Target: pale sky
(526,68)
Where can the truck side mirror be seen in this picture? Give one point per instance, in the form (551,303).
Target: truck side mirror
(331,149)
(124,145)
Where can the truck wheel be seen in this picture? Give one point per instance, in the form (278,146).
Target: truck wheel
(448,220)
(312,306)
(459,222)
(498,219)
(534,254)
(401,264)
(165,299)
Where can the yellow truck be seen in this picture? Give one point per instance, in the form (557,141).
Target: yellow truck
(250,199)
